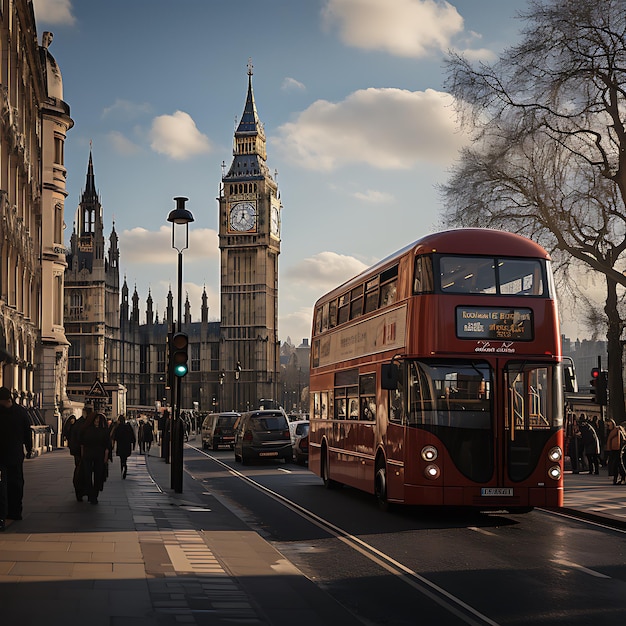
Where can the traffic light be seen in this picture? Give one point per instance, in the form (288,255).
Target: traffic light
(179,354)
(595,376)
(599,383)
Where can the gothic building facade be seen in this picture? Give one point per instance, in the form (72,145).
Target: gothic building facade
(233,363)
(34,120)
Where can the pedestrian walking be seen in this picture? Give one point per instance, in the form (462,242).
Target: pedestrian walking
(95,449)
(67,426)
(124,439)
(615,440)
(147,436)
(73,442)
(591,445)
(15,437)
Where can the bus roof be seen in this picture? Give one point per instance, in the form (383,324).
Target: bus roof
(480,241)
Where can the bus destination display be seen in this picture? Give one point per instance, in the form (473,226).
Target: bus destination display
(494,323)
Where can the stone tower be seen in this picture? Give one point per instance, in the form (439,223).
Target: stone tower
(92,319)
(249,240)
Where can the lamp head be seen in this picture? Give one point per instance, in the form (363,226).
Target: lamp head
(180,215)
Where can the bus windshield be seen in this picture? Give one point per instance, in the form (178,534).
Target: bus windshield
(489,275)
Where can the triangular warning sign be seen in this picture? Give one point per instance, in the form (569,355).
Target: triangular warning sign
(97,390)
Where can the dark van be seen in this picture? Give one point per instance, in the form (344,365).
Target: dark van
(262,435)
(218,430)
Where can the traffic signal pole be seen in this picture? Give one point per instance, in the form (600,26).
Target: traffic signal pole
(177,438)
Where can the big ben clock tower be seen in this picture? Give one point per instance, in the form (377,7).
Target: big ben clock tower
(249,236)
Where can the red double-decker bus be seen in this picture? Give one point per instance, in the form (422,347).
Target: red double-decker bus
(436,376)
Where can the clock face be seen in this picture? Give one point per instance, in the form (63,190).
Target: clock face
(275,221)
(242,217)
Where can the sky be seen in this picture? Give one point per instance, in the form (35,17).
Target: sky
(350,92)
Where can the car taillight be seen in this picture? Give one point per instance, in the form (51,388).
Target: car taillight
(286,434)
(247,436)
(304,443)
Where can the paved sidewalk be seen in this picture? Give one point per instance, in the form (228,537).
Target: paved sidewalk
(146,556)
(143,556)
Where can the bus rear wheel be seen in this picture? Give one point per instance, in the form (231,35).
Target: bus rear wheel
(329,483)
(380,487)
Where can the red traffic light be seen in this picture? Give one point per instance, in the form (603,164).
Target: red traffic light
(595,372)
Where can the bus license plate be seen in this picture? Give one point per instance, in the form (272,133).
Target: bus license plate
(496,491)
(268,453)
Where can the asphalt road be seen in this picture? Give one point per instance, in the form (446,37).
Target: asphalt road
(424,567)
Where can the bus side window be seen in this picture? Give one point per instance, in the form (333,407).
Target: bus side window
(423,280)
(332,314)
(397,398)
(388,293)
(416,388)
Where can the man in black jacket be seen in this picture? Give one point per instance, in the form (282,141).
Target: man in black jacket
(15,436)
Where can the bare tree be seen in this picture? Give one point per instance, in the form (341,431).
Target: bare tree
(549,152)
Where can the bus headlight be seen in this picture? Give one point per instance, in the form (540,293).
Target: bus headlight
(555,472)
(432,471)
(555,454)
(429,453)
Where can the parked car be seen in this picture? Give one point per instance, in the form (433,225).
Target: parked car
(301,443)
(293,425)
(262,434)
(218,430)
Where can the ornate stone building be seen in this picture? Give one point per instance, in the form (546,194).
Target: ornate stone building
(92,296)
(34,121)
(112,341)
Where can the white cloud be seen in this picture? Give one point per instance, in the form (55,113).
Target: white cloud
(126,109)
(177,136)
(142,246)
(385,128)
(121,144)
(54,12)
(375,197)
(324,271)
(406,28)
(291,84)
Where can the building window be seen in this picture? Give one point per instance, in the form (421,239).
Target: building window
(58,150)
(195,357)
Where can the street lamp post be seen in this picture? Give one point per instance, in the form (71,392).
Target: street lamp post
(180,218)
(237,375)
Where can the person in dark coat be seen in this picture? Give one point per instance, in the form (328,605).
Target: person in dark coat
(73,443)
(95,449)
(69,422)
(15,436)
(146,436)
(591,445)
(124,439)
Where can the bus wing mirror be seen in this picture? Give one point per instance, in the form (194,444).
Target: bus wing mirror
(390,374)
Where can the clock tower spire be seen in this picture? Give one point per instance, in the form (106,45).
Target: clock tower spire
(249,239)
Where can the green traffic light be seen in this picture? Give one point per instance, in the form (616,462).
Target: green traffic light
(180,370)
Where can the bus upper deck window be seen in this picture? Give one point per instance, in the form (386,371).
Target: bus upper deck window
(523,277)
(467,274)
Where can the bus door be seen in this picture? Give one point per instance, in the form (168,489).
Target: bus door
(453,400)
(533,413)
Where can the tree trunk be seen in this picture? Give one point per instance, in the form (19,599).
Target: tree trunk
(615,351)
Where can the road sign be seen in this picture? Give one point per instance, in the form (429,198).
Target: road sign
(97,390)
